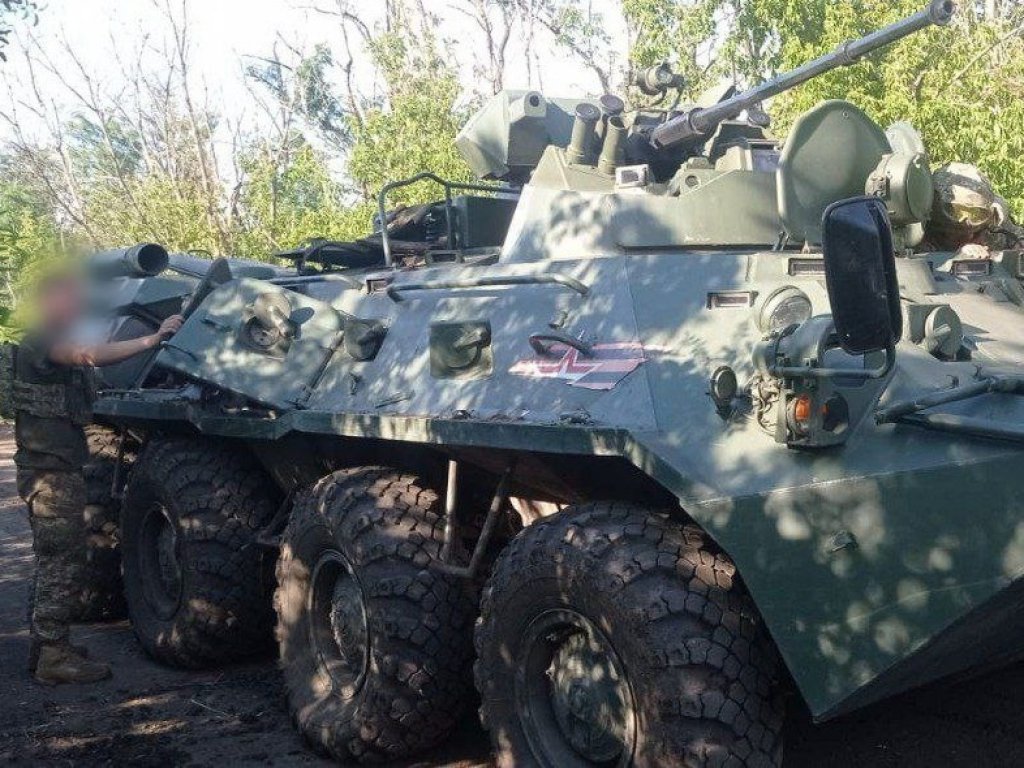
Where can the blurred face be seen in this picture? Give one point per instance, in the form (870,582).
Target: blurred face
(60,303)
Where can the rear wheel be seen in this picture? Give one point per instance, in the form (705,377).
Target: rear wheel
(611,636)
(195,581)
(375,646)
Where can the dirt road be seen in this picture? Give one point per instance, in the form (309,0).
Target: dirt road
(149,715)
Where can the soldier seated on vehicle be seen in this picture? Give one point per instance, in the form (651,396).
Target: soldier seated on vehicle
(52,395)
(967,211)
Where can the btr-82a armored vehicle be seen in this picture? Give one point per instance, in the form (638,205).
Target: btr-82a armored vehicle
(670,422)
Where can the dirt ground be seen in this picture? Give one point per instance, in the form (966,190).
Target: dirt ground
(148,715)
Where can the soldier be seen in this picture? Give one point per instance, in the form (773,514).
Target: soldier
(53,393)
(967,211)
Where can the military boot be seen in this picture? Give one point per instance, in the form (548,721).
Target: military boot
(37,645)
(59,664)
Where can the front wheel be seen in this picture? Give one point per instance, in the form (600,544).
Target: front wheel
(611,636)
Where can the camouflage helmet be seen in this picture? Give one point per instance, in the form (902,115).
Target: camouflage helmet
(964,199)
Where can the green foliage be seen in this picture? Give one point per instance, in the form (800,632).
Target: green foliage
(308,88)
(152,174)
(9,11)
(414,133)
(104,151)
(415,130)
(409,128)
(577,27)
(284,207)
(669,30)
(29,239)
(961,86)
(117,174)
(149,208)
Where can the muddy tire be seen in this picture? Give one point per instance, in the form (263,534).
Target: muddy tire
(100,595)
(375,647)
(196,581)
(610,635)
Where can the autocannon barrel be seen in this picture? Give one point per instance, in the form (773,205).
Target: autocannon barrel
(142,260)
(699,123)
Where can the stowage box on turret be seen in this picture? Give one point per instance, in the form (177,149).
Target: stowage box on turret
(693,419)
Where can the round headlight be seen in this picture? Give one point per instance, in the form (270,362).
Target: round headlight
(785,307)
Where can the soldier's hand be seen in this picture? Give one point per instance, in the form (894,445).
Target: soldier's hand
(170,326)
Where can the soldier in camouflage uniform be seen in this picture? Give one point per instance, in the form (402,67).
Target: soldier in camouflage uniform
(968,212)
(52,394)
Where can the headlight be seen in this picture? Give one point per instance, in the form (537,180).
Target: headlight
(783,308)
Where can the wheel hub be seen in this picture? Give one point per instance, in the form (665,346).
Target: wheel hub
(337,623)
(159,562)
(574,702)
(347,618)
(167,559)
(587,699)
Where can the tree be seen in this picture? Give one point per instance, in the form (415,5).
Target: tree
(282,206)
(408,122)
(962,87)
(147,156)
(495,21)
(28,236)
(576,27)
(137,161)
(10,10)
(298,83)
(414,128)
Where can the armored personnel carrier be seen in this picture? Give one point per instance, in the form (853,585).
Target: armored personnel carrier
(666,421)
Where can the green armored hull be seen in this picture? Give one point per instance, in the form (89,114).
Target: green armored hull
(678,418)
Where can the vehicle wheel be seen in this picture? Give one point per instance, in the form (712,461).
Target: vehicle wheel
(610,635)
(194,575)
(100,595)
(375,647)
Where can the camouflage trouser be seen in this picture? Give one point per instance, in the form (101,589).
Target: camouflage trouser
(56,506)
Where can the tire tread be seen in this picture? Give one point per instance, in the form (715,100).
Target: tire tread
(713,698)
(221,498)
(420,620)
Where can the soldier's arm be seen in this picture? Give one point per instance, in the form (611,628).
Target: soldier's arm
(114,351)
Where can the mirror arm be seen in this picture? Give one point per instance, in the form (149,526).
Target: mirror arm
(810,372)
(949,423)
(897,411)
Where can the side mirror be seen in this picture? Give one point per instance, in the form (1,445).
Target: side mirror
(860,272)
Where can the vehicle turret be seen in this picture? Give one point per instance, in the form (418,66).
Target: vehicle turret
(507,138)
(696,125)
